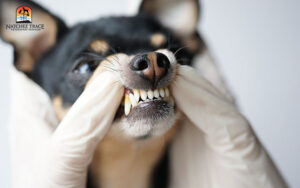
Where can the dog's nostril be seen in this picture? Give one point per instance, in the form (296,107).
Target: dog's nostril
(139,63)
(160,64)
(162,61)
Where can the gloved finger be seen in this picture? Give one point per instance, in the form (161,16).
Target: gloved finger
(204,105)
(238,159)
(30,102)
(191,75)
(73,143)
(96,106)
(93,112)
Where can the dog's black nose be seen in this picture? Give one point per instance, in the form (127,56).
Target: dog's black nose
(151,66)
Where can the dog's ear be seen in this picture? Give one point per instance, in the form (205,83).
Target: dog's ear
(30,40)
(179,15)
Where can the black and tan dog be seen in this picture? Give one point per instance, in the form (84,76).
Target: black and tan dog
(63,59)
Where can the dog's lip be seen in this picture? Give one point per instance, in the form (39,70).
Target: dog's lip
(154,109)
(150,110)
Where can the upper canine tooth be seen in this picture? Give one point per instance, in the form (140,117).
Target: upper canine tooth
(127,106)
(150,94)
(132,100)
(136,94)
(167,92)
(156,93)
(143,94)
(161,92)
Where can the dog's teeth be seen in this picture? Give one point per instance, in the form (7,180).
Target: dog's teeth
(167,92)
(127,105)
(156,93)
(136,94)
(162,92)
(132,100)
(150,94)
(143,94)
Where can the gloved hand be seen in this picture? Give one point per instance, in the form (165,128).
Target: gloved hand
(46,156)
(230,154)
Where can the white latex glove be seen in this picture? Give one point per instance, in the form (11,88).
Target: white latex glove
(46,156)
(230,154)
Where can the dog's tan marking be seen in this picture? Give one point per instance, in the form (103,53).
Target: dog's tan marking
(119,162)
(192,43)
(158,39)
(99,46)
(59,107)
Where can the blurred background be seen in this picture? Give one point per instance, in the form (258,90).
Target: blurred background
(257,46)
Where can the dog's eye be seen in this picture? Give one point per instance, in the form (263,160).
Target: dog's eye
(86,67)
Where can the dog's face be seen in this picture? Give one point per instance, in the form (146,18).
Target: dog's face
(135,48)
(140,49)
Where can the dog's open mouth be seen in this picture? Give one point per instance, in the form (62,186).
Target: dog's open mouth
(146,104)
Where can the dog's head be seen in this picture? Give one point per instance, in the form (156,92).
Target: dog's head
(142,49)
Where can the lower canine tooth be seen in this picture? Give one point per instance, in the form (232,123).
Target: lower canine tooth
(127,105)
(150,94)
(132,100)
(143,95)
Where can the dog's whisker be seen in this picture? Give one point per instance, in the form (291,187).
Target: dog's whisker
(112,49)
(169,41)
(113,65)
(116,58)
(110,68)
(183,61)
(178,50)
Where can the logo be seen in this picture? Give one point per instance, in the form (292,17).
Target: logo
(23,15)
(24,21)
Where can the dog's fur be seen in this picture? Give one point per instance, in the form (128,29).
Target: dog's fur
(62,60)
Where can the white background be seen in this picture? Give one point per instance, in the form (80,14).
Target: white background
(257,46)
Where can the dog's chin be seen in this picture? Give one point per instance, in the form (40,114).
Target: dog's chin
(149,119)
